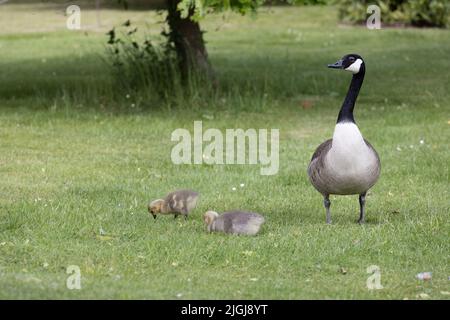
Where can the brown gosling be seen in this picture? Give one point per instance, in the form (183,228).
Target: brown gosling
(176,203)
(234,222)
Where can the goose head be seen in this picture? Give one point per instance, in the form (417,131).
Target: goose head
(209,218)
(155,207)
(350,62)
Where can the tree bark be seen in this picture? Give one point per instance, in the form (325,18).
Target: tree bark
(189,44)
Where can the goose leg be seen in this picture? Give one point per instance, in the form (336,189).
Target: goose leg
(327,204)
(184,212)
(362,203)
(175,216)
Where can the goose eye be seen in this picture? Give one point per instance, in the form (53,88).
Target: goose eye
(352,59)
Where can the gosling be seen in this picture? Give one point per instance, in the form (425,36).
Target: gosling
(176,203)
(234,222)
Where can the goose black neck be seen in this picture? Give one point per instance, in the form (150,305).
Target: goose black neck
(346,112)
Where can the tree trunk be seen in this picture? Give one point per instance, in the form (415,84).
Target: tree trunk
(189,44)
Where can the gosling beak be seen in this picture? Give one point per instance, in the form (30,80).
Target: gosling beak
(336,65)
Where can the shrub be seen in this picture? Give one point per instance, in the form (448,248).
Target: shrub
(428,13)
(420,13)
(147,64)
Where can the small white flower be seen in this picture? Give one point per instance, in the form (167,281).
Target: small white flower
(242,185)
(234,188)
(422,141)
(254,279)
(179,295)
(398,148)
(45,265)
(411,146)
(127,96)
(133,105)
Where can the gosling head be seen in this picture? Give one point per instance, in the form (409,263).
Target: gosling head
(350,62)
(155,207)
(209,218)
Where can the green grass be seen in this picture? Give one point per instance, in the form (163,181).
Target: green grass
(74,160)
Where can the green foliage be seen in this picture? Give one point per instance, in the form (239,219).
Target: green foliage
(199,8)
(432,13)
(187,6)
(428,13)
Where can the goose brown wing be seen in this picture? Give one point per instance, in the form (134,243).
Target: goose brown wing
(317,164)
(322,149)
(376,155)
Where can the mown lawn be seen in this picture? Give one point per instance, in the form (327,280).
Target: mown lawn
(74,161)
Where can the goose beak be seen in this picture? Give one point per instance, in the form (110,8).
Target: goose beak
(154,216)
(336,65)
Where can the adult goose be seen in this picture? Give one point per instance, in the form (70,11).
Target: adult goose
(346,164)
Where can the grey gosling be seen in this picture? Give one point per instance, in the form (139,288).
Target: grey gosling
(176,203)
(346,164)
(235,222)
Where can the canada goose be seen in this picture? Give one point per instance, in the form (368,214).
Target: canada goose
(346,164)
(235,222)
(177,202)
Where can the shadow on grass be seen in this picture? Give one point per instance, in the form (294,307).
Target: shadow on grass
(253,82)
(90,78)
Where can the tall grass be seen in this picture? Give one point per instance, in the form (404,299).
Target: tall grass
(148,67)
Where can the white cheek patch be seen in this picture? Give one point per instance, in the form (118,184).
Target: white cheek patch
(355,66)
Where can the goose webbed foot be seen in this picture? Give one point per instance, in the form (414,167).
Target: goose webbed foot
(362,204)
(327,204)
